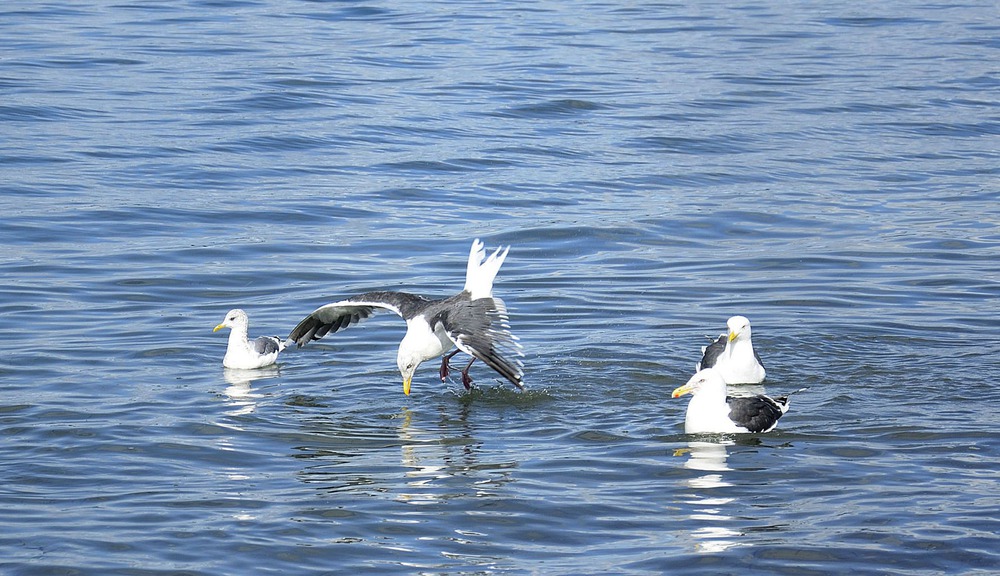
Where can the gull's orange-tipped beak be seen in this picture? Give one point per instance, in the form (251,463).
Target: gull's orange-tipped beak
(732,336)
(217,328)
(678,392)
(406,386)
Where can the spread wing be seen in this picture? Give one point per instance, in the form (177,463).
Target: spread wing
(340,315)
(481,329)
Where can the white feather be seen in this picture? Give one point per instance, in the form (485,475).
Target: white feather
(479,275)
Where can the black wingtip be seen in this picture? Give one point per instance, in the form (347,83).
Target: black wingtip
(304,331)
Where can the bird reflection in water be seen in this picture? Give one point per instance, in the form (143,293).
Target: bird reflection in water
(708,509)
(421,456)
(239,393)
(437,455)
(420,473)
(240,399)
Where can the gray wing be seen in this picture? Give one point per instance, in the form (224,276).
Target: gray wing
(481,329)
(264,345)
(756,413)
(340,315)
(712,353)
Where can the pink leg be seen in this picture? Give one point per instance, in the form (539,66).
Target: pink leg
(444,364)
(466,379)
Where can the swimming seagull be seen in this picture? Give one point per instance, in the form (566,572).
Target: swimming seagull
(473,321)
(711,411)
(733,356)
(243,353)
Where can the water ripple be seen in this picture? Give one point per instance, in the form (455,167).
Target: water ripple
(824,170)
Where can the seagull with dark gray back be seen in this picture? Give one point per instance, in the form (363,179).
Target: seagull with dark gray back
(712,410)
(473,321)
(733,355)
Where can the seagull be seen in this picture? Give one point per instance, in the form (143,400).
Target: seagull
(473,321)
(243,353)
(711,411)
(733,356)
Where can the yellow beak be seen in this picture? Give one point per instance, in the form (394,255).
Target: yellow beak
(732,336)
(406,386)
(219,327)
(678,392)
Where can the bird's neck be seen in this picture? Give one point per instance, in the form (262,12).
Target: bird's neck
(710,397)
(237,335)
(740,349)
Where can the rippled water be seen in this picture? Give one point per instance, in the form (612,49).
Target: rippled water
(829,171)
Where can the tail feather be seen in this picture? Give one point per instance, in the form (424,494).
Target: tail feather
(476,255)
(783,402)
(479,275)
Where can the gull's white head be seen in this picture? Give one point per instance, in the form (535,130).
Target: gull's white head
(407,363)
(739,327)
(236,318)
(707,381)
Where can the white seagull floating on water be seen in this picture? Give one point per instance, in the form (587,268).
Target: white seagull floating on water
(243,353)
(733,356)
(473,321)
(711,411)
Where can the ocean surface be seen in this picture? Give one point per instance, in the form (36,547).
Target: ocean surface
(829,171)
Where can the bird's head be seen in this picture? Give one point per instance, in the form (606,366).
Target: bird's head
(407,364)
(707,379)
(739,327)
(234,318)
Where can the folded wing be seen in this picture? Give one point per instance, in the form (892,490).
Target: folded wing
(712,353)
(267,345)
(756,413)
(481,329)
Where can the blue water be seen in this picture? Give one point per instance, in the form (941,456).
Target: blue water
(829,171)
